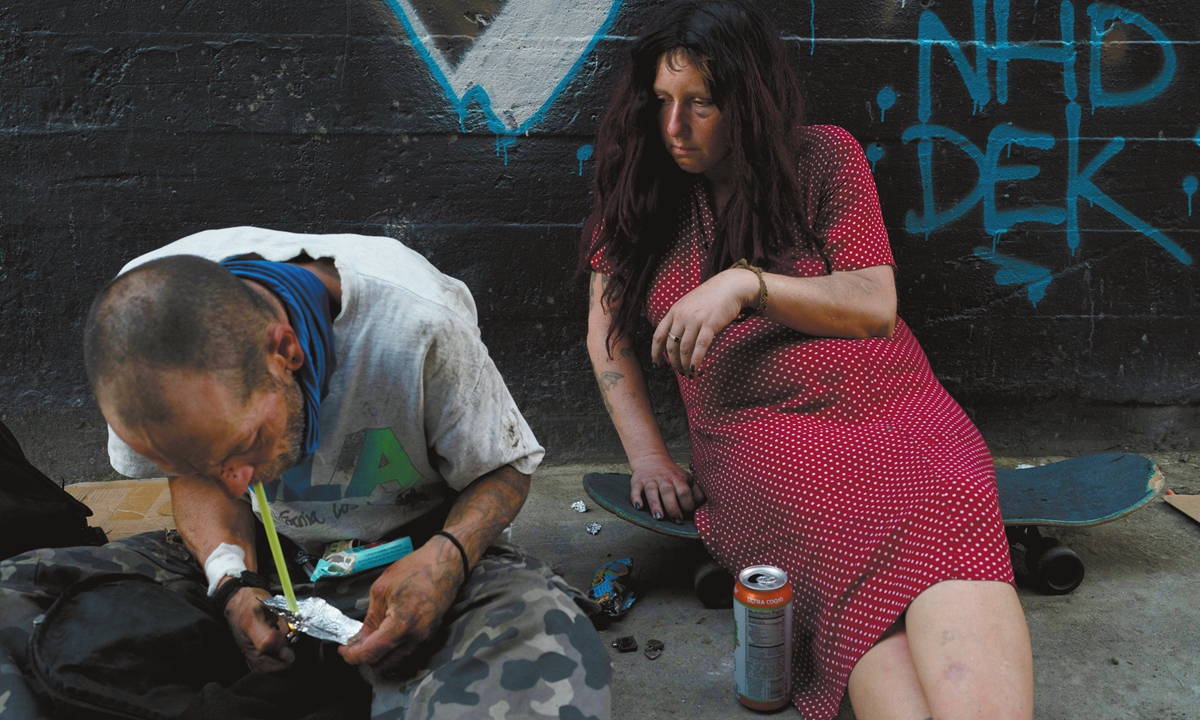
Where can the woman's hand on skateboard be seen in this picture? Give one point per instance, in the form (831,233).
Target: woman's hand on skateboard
(664,488)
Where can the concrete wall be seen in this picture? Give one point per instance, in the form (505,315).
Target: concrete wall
(1036,161)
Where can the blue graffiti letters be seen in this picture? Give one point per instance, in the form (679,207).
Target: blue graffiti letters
(991,173)
(1079,184)
(1101,15)
(933,33)
(932,219)
(1001,138)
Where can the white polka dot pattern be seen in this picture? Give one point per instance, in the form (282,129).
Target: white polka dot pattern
(844,462)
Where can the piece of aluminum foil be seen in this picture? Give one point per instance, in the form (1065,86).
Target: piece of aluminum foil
(578,506)
(316,618)
(592,528)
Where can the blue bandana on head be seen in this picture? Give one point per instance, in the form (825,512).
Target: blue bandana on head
(307,304)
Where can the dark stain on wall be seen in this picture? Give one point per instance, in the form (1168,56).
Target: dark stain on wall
(1036,162)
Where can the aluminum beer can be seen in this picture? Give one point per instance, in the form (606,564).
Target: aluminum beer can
(762,626)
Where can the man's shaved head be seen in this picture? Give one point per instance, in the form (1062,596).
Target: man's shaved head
(179,313)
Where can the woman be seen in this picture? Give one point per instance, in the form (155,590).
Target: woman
(822,442)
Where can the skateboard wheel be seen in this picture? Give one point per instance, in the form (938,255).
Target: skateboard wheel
(714,585)
(1055,567)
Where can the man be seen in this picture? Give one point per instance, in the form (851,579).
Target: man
(347,375)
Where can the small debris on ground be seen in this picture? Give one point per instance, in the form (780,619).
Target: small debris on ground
(1024,466)
(578,506)
(1184,457)
(654,648)
(592,528)
(625,644)
(1114,661)
(613,588)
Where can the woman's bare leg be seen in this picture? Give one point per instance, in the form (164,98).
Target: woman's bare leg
(884,684)
(965,653)
(970,647)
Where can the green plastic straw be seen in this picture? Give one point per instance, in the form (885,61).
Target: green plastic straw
(276,551)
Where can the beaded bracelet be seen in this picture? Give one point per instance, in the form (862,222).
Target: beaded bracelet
(762,284)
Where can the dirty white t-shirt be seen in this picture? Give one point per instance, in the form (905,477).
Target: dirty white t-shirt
(415,406)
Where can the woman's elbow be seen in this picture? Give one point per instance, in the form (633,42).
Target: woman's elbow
(885,327)
(880,322)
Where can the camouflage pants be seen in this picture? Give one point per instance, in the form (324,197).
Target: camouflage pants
(515,643)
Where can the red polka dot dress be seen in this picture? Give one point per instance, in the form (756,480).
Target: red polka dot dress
(844,462)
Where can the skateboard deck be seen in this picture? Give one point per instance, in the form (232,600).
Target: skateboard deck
(1086,490)
(611,492)
(1082,491)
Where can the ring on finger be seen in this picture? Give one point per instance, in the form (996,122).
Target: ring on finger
(673,338)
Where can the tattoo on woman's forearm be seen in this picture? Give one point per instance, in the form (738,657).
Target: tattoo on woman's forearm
(608,379)
(626,352)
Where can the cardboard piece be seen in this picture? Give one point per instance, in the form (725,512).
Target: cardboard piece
(126,507)
(1187,504)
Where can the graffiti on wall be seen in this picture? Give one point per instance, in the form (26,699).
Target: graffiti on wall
(510,59)
(936,212)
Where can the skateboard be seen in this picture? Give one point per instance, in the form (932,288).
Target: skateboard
(1078,492)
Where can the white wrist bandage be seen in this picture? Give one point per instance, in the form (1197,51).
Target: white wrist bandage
(225,560)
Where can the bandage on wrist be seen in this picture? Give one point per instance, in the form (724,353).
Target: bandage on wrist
(225,560)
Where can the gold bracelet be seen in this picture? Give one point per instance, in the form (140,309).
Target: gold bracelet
(762,284)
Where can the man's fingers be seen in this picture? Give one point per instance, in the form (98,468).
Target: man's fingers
(374,647)
(698,496)
(268,637)
(393,658)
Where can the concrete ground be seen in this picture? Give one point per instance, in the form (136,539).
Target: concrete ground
(1125,644)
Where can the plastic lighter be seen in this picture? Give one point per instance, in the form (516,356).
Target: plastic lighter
(354,560)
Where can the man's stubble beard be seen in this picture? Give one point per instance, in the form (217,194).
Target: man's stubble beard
(293,434)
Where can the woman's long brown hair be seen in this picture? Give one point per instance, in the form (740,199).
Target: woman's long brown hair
(641,193)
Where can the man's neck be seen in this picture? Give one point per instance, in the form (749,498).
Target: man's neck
(325,271)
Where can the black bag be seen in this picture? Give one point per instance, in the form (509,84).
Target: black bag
(34,512)
(122,646)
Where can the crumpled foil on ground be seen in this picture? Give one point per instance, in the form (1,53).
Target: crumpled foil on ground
(316,618)
(592,528)
(613,587)
(578,506)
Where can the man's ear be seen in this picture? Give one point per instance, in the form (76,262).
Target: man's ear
(282,343)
